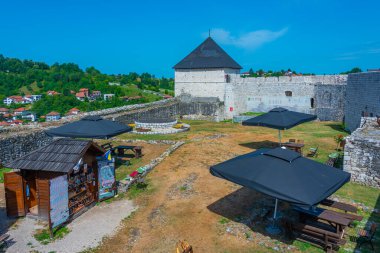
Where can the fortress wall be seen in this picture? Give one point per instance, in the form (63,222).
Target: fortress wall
(362,98)
(320,95)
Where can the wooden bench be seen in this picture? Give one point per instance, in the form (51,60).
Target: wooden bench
(107,146)
(313,152)
(318,234)
(331,162)
(124,160)
(349,216)
(335,219)
(137,150)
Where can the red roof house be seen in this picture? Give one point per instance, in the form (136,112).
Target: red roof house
(19,111)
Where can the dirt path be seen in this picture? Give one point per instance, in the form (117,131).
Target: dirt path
(181,205)
(87,230)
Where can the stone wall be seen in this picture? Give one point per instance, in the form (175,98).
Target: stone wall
(362,98)
(320,95)
(329,101)
(202,82)
(183,105)
(18,141)
(16,145)
(362,153)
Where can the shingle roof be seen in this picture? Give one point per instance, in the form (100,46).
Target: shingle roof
(207,55)
(53,114)
(59,156)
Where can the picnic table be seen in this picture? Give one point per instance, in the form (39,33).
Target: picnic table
(339,205)
(294,146)
(137,150)
(335,219)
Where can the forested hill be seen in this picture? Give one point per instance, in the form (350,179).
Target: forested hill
(20,77)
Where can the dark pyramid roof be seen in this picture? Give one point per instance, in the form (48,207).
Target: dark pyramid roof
(59,156)
(206,56)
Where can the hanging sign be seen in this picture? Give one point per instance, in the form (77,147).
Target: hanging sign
(106,174)
(59,201)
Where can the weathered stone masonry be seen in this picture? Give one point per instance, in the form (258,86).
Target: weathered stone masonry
(362,153)
(362,98)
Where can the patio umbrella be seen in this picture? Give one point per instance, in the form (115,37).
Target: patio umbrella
(90,127)
(283,174)
(280,118)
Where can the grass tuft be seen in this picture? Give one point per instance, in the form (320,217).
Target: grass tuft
(43,235)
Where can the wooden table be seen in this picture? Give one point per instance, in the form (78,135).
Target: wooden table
(335,219)
(137,150)
(339,205)
(294,146)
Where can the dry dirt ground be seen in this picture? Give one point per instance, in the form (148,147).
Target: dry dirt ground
(187,202)
(184,201)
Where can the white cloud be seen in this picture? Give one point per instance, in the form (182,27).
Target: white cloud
(249,40)
(358,54)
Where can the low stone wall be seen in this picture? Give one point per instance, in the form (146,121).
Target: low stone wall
(124,185)
(17,145)
(155,125)
(362,153)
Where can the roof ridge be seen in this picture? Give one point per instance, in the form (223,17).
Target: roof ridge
(207,55)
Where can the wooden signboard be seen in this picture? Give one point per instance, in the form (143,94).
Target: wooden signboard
(59,201)
(106,179)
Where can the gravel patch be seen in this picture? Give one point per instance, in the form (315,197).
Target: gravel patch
(183,189)
(87,230)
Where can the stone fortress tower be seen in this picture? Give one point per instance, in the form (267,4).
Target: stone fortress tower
(208,71)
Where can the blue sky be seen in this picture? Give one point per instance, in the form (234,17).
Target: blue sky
(152,36)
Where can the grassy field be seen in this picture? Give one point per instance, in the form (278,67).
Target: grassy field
(177,201)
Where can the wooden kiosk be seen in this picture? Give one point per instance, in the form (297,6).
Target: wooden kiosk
(55,182)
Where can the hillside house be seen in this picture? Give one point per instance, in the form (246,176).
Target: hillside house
(53,116)
(81,96)
(4,124)
(108,96)
(73,111)
(16,122)
(96,94)
(19,111)
(16,100)
(33,98)
(52,93)
(4,111)
(28,115)
(85,91)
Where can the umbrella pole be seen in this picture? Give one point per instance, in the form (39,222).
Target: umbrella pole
(275,210)
(279,137)
(273,229)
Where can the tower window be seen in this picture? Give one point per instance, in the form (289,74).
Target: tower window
(312,102)
(288,93)
(227,77)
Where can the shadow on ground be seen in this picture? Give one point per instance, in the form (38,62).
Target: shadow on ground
(250,208)
(374,218)
(5,224)
(337,127)
(259,144)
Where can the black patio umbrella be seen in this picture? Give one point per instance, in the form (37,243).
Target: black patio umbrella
(90,127)
(283,174)
(280,118)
